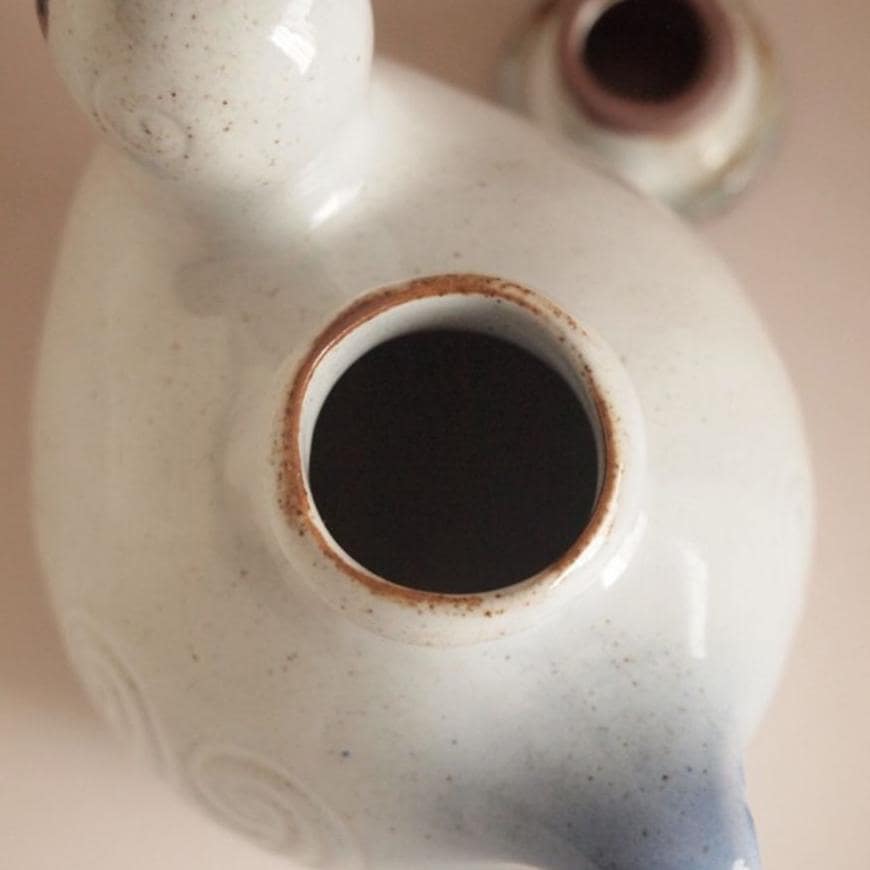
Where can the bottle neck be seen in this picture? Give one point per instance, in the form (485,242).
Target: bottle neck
(412,609)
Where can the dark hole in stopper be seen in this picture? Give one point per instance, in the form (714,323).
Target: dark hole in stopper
(453,462)
(647,50)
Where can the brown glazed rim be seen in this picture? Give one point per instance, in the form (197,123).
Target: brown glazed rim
(611,110)
(295,501)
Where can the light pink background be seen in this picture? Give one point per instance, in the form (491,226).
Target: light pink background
(800,241)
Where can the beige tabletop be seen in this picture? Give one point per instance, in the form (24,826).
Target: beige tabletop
(800,241)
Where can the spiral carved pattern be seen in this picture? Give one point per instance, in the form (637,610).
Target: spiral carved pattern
(114,689)
(138,122)
(266,804)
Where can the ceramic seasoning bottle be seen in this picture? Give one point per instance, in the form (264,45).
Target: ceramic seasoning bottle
(411,495)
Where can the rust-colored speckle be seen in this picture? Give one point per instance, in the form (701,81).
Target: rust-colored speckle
(293,495)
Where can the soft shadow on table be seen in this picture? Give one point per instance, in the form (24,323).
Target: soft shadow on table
(45,144)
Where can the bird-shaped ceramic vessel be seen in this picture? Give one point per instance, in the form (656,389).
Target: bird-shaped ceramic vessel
(410,495)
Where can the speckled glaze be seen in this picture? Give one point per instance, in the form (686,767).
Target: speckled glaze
(695,151)
(273,211)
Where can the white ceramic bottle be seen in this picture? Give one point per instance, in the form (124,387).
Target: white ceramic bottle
(273,213)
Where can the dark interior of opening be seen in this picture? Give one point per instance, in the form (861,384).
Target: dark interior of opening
(647,50)
(453,462)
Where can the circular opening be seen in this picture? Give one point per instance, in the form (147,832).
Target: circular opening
(647,50)
(453,461)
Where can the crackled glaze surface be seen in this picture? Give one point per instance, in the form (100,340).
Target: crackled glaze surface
(608,732)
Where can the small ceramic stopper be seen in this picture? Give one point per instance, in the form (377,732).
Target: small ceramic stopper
(681,98)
